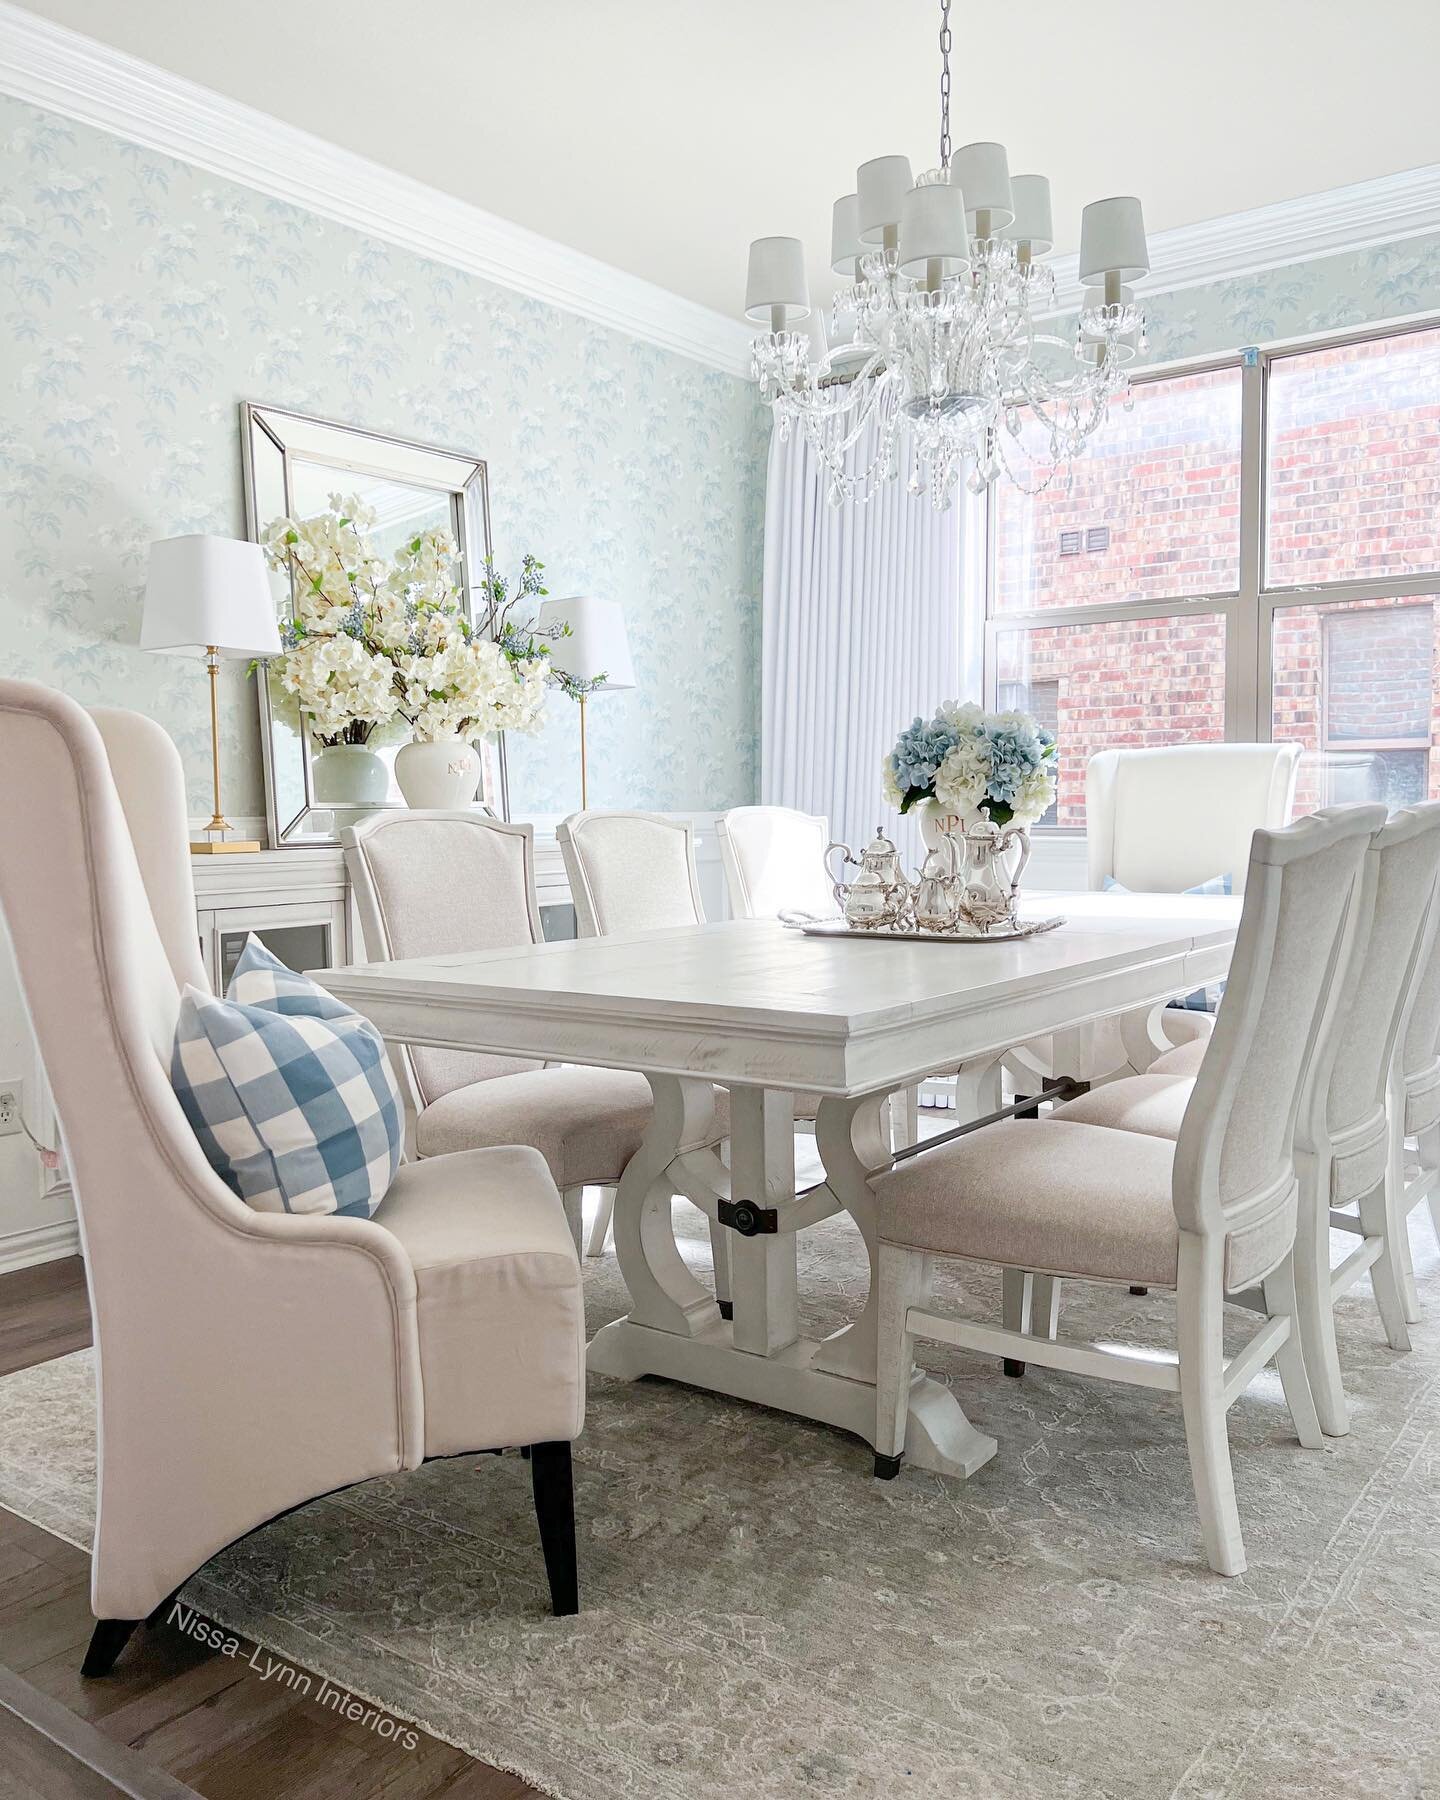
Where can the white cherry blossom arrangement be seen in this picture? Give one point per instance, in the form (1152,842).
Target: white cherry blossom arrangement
(372,639)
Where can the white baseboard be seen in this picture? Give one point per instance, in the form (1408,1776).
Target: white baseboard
(39,1244)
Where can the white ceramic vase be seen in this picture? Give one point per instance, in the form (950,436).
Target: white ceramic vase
(936,824)
(438,777)
(350,775)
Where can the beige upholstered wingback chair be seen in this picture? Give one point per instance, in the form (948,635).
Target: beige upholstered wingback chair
(249,1361)
(1209,1216)
(434,883)
(1160,821)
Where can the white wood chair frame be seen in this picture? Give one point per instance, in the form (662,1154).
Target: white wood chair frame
(1379,1216)
(1206,1380)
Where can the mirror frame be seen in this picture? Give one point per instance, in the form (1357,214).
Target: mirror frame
(307,438)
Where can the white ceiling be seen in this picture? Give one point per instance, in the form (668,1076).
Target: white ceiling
(661,135)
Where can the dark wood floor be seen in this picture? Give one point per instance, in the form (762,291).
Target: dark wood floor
(206,1720)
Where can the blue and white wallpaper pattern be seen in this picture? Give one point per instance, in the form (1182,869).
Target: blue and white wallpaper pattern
(144,299)
(1328,293)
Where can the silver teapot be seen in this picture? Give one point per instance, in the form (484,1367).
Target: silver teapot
(878,893)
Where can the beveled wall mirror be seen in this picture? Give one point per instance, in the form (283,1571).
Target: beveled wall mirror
(293,463)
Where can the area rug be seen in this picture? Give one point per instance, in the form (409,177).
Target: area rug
(763,1620)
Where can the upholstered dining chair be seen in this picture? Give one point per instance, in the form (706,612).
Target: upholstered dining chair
(1208,1216)
(635,871)
(248,1361)
(433,883)
(1345,1139)
(1160,821)
(1415,1118)
(774,862)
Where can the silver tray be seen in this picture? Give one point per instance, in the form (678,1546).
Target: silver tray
(837,928)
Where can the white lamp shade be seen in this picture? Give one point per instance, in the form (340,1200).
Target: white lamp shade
(845,243)
(933,229)
(205,592)
(882,186)
(597,644)
(1112,240)
(776,278)
(982,173)
(1032,224)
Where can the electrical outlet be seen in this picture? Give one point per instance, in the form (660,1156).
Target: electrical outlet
(12,1104)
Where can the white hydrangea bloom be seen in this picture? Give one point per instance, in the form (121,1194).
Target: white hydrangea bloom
(1036,795)
(960,780)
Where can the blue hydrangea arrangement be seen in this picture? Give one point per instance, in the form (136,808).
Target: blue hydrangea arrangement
(977,764)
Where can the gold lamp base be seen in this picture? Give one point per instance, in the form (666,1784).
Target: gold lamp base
(226,847)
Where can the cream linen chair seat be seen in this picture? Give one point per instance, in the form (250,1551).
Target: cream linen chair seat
(1344,1144)
(434,883)
(1071,1198)
(994,1198)
(249,1361)
(1160,821)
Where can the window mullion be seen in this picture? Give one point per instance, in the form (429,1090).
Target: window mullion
(1247,650)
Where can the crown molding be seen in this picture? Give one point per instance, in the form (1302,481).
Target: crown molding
(63,71)
(1357,217)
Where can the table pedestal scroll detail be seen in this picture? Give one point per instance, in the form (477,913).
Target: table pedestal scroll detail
(674,1328)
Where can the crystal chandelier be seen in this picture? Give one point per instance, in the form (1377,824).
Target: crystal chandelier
(946,325)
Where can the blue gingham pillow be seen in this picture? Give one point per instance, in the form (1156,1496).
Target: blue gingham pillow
(1203,999)
(290,1093)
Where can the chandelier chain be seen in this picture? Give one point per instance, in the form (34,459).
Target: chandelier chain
(945,84)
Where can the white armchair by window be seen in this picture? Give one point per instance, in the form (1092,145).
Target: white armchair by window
(1161,821)
(249,1361)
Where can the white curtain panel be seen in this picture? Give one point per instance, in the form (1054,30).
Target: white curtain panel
(872,613)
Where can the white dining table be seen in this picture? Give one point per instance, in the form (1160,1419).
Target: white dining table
(767,1012)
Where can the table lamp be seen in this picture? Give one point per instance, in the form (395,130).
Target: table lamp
(209,596)
(593,657)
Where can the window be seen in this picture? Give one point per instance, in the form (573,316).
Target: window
(1352,476)
(1151,511)
(1132,681)
(1355,684)
(1285,590)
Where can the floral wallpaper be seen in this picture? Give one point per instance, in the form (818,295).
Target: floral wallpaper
(144,299)
(1330,293)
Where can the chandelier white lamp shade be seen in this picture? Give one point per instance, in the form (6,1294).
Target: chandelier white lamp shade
(942,336)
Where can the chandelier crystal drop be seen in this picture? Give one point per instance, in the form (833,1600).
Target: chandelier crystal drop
(946,325)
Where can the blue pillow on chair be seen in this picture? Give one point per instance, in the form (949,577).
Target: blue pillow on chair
(290,1094)
(1203,999)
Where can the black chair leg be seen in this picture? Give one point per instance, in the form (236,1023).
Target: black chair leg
(1139,1290)
(552,1479)
(107,1641)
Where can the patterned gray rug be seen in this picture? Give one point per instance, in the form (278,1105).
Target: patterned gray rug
(762,1619)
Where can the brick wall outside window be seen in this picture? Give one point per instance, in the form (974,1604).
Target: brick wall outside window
(1354,491)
